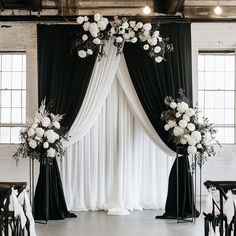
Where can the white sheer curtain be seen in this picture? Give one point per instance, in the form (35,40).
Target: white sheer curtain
(116,165)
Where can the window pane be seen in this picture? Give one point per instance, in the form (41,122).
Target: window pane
(201,80)
(219,116)
(209,63)
(229,80)
(229,135)
(219,80)
(16,80)
(6,80)
(5,134)
(219,99)
(219,63)
(6,115)
(229,116)
(220,135)
(15,134)
(201,99)
(6,62)
(16,99)
(229,63)
(209,80)
(16,62)
(229,99)
(16,115)
(209,99)
(209,113)
(5,99)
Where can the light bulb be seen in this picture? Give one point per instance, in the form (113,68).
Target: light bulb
(218,10)
(147,10)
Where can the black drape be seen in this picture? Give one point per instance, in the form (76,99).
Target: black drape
(153,82)
(63,79)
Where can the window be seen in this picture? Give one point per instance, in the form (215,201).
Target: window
(216,92)
(12,95)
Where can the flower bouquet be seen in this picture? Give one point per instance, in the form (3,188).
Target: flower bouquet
(42,138)
(185,128)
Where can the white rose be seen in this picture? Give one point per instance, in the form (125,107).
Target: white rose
(147,26)
(125,25)
(183,141)
(132,24)
(105,20)
(145,46)
(152,41)
(97,41)
(191,127)
(102,25)
(139,25)
(190,112)
(82,53)
(89,51)
(37,138)
(33,144)
(192,149)
(186,118)
(147,34)
(182,107)
(134,40)
(158,59)
(119,39)
(51,136)
(56,124)
(39,132)
(156,33)
(46,145)
(173,105)
(97,17)
(178,131)
(93,28)
(135,28)
(182,123)
(131,34)
(191,141)
(85,37)
(80,20)
(31,132)
(166,127)
(157,49)
(51,152)
(94,35)
(86,26)
(177,115)
(172,123)
(126,36)
(196,135)
(35,125)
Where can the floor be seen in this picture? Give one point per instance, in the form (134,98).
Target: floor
(138,223)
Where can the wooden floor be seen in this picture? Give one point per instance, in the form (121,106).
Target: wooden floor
(138,223)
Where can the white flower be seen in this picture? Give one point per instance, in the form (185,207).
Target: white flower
(85,37)
(191,127)
(126,36)
(86,18)
(191,141)
(31,132)
(132,24)
(160,39)
(86,26)
(182,107)
(112,31)
(51,152)
(166,127)
(125,25)
(134,40)
(45,121)
(142,38)
(147,34)
(147,26)
(207,139)
(119,39)
(35,125)
(33,144)
(46,145)
(196,135)
(156,33)
(157,49)
(158,59)
(199,146)
(172,123)
(135,28)
(183,141)
(186,118)
(82,53)
(39,132)
(89,51)
(192,149)
(178,131)
(56,124)
(131,34)
(173,105)
(37,138)
(102,25)
(97,17)
(182,123)
(145,46)
(177,115)
(97,41)
(152,41)
(139,25)
(51,136)
(190,112)
(93,28)
(94,34)
(121,30)
(80,20)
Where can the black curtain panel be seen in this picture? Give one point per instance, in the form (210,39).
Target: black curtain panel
(63,80)
(153,82)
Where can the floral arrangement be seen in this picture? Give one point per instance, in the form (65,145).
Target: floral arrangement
(184,127)
(99,29)
(42,138)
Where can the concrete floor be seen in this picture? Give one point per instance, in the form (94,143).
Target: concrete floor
(138,223)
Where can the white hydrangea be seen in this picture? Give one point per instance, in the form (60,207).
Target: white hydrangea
(182,107)
(97,17)
(82,53)
(86,26)
(51,136)
(85,37)
(145,46)
(147,26)
(172,123)
(190,112)
(157,49)
(158,59)
(39,132)
(134,40)
(31,132)
(196,135)
(186,118)
(192,149)
(178,131)
(173,105)
(125,25)
(51,152)
(33,144)
(182,123)
(80,20)
(102,24)
(132,24)
(152,41)
(191,127)
(93,28)
(45,145)
(191,141)
(56,124)
(135,28)
(166,127)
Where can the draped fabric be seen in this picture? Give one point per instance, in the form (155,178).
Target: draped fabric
(116,166)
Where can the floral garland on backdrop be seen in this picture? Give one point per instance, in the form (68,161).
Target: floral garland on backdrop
(42,138)
(99,29)
(184,127)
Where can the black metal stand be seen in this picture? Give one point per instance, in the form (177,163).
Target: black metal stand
(31,178)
